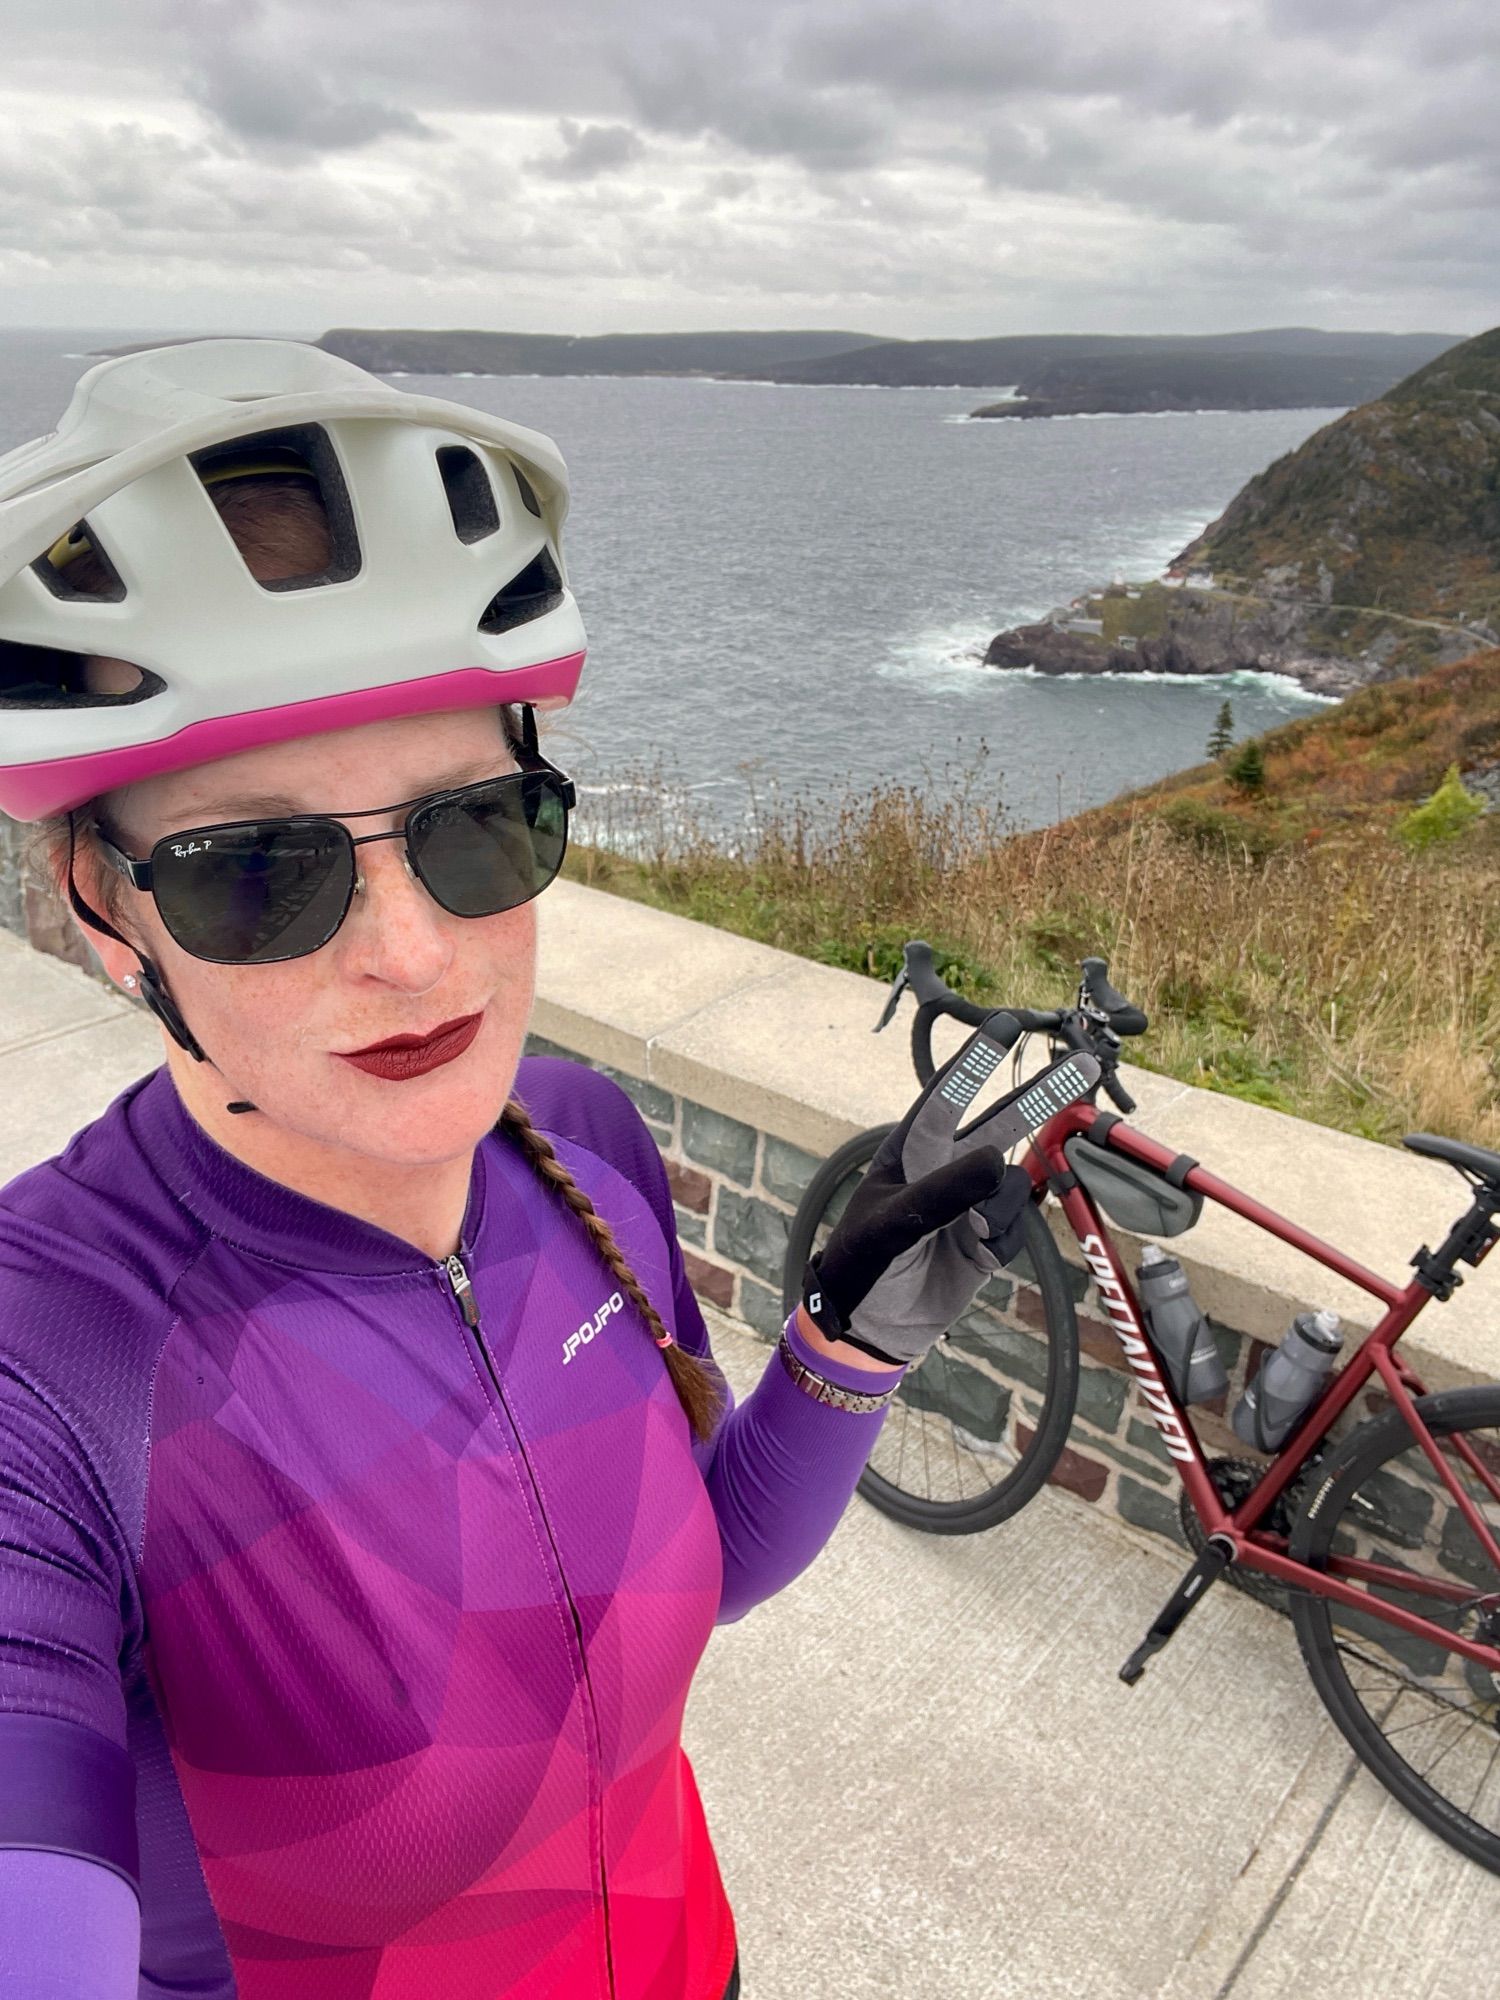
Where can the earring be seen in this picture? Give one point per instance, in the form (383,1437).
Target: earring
(129,981)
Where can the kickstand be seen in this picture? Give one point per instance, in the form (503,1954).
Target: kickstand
(1210,1566)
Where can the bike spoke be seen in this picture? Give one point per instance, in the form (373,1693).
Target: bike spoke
(1436,1711)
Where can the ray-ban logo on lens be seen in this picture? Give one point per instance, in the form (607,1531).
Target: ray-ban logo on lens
(613,1304)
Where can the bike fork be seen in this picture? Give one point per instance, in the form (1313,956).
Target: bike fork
(1218,1554)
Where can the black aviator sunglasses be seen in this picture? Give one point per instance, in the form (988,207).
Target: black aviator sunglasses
(256,891)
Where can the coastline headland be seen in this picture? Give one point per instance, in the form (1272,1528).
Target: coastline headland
(1171,628)
(1370,553)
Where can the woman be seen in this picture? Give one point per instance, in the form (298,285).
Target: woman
(368,1491)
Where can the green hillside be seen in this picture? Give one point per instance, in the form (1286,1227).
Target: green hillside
(1394,506)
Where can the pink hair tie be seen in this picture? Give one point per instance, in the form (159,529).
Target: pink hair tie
(666,1341)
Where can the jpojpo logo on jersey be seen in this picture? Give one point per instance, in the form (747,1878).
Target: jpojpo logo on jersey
(613,1304)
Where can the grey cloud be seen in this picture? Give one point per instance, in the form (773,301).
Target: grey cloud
(265,100)
(589,150)
(973,52)
(935,170)
(703,84)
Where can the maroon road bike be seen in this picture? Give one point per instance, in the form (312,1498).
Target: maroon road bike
(1376,1526)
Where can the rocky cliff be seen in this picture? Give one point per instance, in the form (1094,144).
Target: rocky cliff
(1396,505)
(1371,552)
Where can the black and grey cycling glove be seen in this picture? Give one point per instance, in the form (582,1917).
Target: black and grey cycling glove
(938,1209)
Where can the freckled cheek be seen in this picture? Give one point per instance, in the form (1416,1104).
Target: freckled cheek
(504,966)
(256,1008)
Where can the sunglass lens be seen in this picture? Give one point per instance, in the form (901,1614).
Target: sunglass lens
(496,847)
(251,894)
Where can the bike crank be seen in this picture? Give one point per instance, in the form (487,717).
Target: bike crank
(1234,1480)
(1217,1555)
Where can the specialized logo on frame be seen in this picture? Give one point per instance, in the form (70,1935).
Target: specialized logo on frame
(613,1304)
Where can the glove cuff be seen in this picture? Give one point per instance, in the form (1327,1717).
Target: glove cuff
(824,1315)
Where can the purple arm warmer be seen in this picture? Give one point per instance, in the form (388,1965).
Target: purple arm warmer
(69,1929)
(783,1470)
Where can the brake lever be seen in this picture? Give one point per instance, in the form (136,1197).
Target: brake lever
(898,986)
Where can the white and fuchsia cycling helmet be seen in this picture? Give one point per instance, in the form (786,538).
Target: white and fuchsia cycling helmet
(446,588)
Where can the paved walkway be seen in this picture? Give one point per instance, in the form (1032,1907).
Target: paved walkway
(924,1780)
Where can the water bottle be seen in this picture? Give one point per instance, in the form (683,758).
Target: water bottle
(1179,1332)
(1287,1381)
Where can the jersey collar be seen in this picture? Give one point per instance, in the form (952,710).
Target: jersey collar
(257,1213)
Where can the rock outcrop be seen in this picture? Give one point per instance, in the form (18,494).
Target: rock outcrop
(1370,553)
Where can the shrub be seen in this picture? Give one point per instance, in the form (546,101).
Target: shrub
(1217,832)
(1246,769)
(1448,813)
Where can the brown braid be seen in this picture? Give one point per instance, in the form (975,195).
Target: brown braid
(697,1390)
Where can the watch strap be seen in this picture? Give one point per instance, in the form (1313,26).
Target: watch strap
(822,1390)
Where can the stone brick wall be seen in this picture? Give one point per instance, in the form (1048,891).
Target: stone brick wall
(31,912)
(736,1189)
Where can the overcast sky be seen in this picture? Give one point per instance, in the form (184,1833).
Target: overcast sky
(961,167)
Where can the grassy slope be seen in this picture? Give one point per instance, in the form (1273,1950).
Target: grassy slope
(1288,947)
(1360,764)
(1395,505)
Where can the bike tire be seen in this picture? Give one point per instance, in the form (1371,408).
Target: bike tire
(1365,1669)
(932,1389)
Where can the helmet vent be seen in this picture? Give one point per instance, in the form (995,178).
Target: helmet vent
(76,567)
(46,677)
(303,452)
(531,593)
(471,498)
(527,492)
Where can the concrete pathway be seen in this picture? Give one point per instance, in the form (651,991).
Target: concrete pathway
(925,1782)
(923,1778)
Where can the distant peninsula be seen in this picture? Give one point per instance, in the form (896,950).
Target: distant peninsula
(1042,375)
(1370,553)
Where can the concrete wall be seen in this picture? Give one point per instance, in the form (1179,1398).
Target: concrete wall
(751,1065)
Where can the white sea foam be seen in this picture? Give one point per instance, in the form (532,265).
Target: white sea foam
(1246,677)
(941,657)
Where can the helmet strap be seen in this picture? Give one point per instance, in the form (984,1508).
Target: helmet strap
(153,987)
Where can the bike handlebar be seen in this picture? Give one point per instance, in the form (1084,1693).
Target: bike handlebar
(1123,1017)
(936,999)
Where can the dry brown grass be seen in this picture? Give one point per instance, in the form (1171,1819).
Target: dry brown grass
(1343,979)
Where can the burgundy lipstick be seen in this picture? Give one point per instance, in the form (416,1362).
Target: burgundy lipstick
(402,1056)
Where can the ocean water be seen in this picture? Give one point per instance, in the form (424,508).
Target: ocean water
(793,586)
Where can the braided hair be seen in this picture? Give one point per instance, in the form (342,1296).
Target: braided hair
(697,1391)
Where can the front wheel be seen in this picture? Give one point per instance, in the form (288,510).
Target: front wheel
(1424,1718)
(979,1423)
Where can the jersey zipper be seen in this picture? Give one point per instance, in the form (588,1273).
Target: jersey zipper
(458,1279)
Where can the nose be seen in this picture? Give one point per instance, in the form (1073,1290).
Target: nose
(359,880)
(395,931)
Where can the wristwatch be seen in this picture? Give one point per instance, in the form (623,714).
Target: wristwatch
(823,1391)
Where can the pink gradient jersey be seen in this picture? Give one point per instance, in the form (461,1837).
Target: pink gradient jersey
(349,1599)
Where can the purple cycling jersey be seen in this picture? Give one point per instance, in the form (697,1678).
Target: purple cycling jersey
(350,1598)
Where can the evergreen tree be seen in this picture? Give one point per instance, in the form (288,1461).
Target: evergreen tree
(1221,736)
(1247,768)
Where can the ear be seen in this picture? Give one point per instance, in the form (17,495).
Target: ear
(119,957)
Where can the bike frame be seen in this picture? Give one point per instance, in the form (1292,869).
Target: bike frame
(1256,1546)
